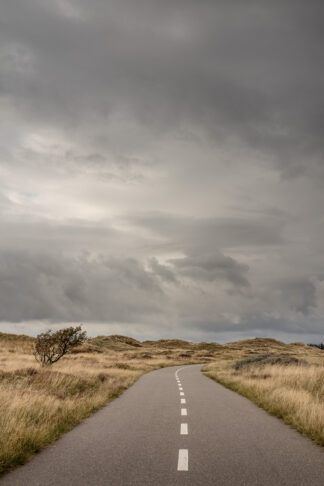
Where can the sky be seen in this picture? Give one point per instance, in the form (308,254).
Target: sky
(161,168)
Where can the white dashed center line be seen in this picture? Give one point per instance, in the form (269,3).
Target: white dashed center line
(183,460)
(176,373)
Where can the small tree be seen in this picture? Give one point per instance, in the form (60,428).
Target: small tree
(50,346)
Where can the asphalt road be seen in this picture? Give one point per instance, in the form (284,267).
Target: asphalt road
(145,438)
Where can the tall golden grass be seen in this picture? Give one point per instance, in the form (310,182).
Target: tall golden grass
(293,393)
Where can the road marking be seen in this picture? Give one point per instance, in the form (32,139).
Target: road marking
(176,373)
(183,460)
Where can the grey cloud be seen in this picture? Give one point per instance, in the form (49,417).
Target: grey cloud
(70,237)
(5,204)
(262,325)
(212,268)
(298,294)
(172,65)
(208,234)
(141,141)
(53,287)
(162,271)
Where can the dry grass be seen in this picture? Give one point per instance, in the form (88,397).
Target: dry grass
(38,404)
(292,392)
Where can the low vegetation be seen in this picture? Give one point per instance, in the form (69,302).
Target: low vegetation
(261,360)
(51,346)
(39,403)
(287,380)
(319,346)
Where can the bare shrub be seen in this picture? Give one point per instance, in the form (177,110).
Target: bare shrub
(50,346)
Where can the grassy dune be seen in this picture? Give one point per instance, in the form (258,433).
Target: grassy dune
(292,392)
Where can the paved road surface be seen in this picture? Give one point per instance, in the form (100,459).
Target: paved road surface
(148,437)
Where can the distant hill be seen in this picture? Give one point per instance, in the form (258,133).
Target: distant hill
(169,343)
(209,346)
(16,342)
(14,338)
(116,342)
(265,346)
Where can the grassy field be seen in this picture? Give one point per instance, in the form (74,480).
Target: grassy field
(290,390)
(38,404)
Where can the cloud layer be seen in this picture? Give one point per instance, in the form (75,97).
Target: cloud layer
(162,167)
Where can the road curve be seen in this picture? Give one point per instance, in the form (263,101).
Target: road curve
(176,428)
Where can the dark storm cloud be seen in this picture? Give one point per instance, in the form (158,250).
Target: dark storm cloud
(246,69)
